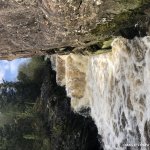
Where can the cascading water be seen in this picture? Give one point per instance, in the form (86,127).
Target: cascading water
(119,85)
(116,86)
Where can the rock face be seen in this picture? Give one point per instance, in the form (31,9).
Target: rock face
(35,27)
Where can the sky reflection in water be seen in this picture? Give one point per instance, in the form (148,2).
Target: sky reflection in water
(9,69)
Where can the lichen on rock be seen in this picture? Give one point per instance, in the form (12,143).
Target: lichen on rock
(40,27)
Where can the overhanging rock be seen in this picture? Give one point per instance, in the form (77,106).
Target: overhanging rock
(37,27)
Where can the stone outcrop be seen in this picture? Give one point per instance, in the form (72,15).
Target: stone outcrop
(37,27)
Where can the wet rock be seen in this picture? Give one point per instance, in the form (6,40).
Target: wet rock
(147,131)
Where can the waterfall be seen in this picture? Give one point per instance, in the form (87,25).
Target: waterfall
(116,87)
(119,85)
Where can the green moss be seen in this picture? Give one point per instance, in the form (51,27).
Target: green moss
(112,26)
(30,137)
(58,129)
(125,19)
(107,44)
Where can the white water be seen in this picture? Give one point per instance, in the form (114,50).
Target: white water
(116,86)
(119,86)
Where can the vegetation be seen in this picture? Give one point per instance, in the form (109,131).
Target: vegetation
(20,126)
(32,72)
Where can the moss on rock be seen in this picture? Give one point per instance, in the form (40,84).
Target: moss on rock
(126,19)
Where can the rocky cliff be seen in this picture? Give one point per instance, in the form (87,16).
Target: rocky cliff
(37,27)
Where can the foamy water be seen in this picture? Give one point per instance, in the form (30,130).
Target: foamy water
(119,85)
(116,86)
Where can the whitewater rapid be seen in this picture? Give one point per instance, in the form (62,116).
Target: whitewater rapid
(116,87)
(119,85)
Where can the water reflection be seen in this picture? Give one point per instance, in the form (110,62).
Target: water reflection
(20,83)
(9,69)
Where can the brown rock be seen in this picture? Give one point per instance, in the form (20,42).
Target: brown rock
(36,27)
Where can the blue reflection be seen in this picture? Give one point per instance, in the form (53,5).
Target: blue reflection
(9,69)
